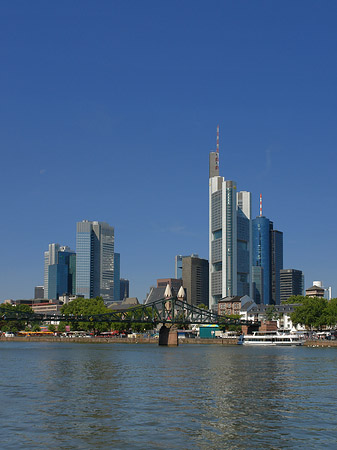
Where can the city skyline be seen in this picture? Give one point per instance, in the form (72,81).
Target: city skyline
(110,117)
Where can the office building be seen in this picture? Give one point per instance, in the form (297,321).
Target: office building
(229,236)
(291,283)
(261,252)
(258,285)
(95,260)
(124,288)
(267,254)
(178,272)
(38,292)
(195,273)
(276,265)
(244,243)
(117,274)
(59,271)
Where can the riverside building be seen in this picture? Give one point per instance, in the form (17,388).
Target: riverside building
(230,236)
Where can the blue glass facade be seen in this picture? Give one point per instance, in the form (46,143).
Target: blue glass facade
(57,280)
(61,273)
(261,252)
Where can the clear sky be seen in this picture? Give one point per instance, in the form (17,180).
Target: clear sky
(108,111)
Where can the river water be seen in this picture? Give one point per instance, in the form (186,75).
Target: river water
(120,396)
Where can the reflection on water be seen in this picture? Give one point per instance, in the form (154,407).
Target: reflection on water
(79,396)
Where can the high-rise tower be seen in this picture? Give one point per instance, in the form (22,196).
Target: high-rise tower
(95,260)
(229,235)
(59,271)
(267,260)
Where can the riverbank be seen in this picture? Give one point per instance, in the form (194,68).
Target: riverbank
(142,340)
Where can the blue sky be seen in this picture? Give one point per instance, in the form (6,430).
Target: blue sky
(109,109)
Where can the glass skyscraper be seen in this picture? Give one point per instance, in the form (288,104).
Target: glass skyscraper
(268,254)
(261,253)
(95,260)
(229,237)
(59,271)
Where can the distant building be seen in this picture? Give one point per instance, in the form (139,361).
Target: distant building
(174,283)
(155,293)
(276,265)
(317,290)
(59,271)
(47,308)
(124,288)
(291,283)
(234,305)
(258,285)
(267,254)
(195,273)
(178,267)
(95,260)
(38,292)
(129,302)
(117,274)
(230,237)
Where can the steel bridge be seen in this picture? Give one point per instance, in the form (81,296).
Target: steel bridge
(163,311)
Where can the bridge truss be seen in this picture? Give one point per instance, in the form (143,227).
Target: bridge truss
(165,311)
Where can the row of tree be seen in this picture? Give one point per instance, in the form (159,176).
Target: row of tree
(314,312)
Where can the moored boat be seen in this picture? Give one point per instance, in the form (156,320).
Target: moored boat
(271,338)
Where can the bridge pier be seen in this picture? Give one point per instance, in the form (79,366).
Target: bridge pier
(168,336)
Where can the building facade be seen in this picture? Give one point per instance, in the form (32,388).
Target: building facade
(124,288)
(267,254)
(291,283)
(261,254)
(230,239)
(59,271)
(38,292)
(117,275)
(195,273)
(276,265)
(95,260)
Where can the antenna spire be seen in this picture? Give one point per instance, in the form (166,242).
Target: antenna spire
(260,205)
(217,139)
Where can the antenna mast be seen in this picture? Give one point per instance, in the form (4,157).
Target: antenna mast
(260,205)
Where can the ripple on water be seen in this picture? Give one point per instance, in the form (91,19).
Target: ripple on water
(67,396)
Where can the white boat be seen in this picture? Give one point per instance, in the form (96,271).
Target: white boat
(270,338)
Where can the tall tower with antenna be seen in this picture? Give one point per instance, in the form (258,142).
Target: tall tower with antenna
(229,245)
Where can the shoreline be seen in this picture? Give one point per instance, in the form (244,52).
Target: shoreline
(141,340)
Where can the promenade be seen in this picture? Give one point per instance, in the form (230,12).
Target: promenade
(144,340)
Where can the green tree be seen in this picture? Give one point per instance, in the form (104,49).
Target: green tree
(52,328)
(202,306)
(313,312)
(10,311)
(87,307)
(61,327)
(36,327)
(331,312)
(224,326)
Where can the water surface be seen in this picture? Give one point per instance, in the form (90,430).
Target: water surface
(119,396)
